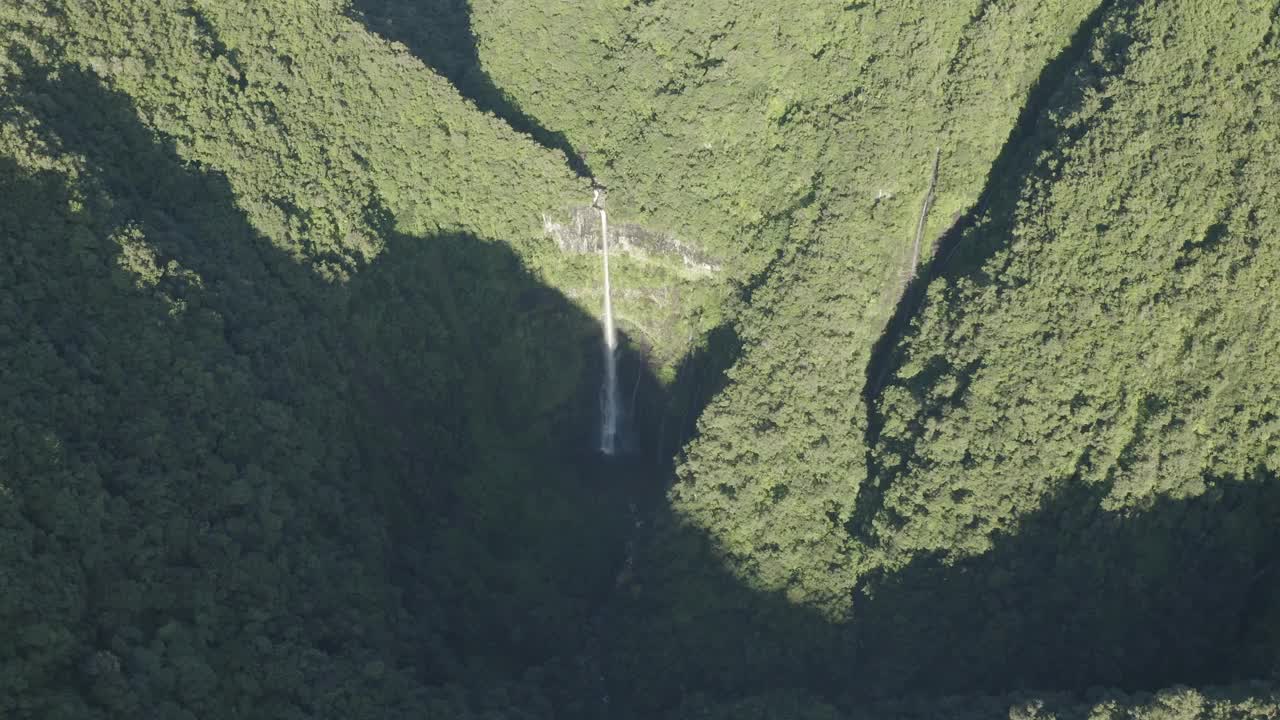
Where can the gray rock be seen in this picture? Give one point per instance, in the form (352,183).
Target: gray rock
(580,233)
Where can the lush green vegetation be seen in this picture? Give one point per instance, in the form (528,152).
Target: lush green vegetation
(298,402)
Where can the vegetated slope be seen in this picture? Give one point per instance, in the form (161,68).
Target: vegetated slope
(1089,373)
(740,125)
(289,435)
(264,454)
(314,120)
(1108,318)
(780,461)
(1071,480)
(720,119)
(794,142)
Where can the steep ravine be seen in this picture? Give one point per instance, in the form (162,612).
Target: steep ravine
(980,232)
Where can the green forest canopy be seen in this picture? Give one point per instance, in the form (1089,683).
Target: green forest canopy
(298,404)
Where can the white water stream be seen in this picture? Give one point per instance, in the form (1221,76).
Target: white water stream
(610,412)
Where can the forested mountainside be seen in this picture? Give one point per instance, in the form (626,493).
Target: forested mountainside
(946,363)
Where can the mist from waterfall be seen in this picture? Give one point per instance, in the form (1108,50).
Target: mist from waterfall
(610,412)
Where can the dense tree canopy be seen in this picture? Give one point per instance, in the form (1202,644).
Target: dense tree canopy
(968,408)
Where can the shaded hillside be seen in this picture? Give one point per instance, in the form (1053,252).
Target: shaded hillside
(239,489)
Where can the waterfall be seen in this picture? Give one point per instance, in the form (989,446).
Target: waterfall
(610,412)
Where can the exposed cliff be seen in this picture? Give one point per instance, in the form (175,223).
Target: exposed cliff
(580,233)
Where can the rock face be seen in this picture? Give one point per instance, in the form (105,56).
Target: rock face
(581,234)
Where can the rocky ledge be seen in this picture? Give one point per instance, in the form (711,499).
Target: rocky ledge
(581,234)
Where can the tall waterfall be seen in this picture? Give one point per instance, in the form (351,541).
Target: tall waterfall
(610,411)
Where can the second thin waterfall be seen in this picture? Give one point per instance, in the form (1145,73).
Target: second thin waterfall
(610,412)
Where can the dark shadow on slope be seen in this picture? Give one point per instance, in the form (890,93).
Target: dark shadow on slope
(964,249)
(296,473)
(1076,598)
(439,33)
(701,375)
(1177,593)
